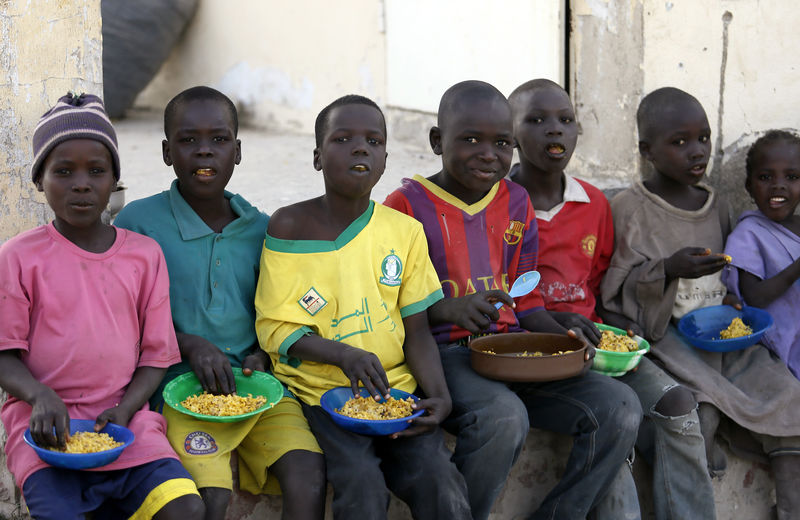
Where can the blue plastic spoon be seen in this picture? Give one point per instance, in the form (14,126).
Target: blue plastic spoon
(522,286)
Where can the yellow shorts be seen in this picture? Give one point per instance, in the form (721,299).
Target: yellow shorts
(205,447)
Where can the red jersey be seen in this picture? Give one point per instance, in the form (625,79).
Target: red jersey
(576,241)
(476,247)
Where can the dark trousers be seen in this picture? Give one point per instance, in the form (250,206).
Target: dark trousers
(363,469)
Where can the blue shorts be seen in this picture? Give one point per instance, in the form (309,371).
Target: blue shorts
(135,493)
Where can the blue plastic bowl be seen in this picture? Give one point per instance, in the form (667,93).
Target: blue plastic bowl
(336,397)
(84,460)
(700,327)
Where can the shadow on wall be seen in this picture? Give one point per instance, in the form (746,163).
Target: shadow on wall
(137,39)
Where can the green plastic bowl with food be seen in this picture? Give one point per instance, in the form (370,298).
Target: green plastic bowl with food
(616,364)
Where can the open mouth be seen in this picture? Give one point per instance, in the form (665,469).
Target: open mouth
(204,172)
(698,169)
(555,150)
(360,168)
(776,201)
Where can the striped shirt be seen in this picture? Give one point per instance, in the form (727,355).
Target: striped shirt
(476,247)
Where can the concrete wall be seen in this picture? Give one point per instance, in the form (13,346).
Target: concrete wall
(46,49)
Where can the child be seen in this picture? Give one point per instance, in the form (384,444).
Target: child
(576,240)
(341,299)
(86,333)
(765,245)
(654,278)
(212,244)
(482,235)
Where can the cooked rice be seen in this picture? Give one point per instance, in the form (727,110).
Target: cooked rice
(736,329)
(223,405)
(370,409)
(88,442)
(617,342)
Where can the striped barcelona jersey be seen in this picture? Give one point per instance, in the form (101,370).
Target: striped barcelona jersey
(476,247)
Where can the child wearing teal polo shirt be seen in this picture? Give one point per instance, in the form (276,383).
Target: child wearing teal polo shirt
(212,242)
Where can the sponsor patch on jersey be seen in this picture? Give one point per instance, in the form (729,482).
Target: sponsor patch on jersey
(199,443)
(588,244)
(392,268)
(513,234)
(312,301)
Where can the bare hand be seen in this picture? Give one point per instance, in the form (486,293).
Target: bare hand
(474,312)
(116,415)
(693,262)
(48,412)
(360,365)
(209,364)
(255,362)
(572,320)
(588,355)
(437,410)
(732,300)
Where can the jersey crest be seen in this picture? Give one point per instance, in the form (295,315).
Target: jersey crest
(513,234)
(312,301)
(199,443)
(588,244)
(391,268)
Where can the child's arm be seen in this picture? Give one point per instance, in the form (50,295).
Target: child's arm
(48,410)
(144,382)
(208,363)
(760,293)
(474,312)
(573,320)
(693,262)
(357,364)
(422,356)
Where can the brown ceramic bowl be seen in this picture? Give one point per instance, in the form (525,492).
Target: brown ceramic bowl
(508,363)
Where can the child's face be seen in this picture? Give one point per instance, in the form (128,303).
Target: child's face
(202,149)
(679,144)
(476,146)
(774,182)
(545,129)
(352,155)
(77,180)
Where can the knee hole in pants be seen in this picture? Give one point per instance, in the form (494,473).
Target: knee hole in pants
(678,401)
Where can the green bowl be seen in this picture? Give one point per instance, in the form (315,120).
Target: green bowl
(259,383)
(615,364)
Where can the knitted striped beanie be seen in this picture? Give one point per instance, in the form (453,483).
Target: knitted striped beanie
(73,117)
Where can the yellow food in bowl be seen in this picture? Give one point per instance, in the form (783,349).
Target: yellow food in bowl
(736,329)
(371,410)
(88,442)
(617,342)
(223,405)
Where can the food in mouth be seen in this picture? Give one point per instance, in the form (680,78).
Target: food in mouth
(204,172)
(555,149)
(360,168)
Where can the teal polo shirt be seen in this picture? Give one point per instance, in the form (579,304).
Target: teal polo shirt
(212,276)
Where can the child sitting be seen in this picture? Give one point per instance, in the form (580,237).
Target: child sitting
(654,279)
(482,235)
(86,333)
(212,243)
(576,240)
(341,299)
(765,245)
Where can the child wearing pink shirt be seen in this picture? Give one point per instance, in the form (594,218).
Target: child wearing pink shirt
(87,333)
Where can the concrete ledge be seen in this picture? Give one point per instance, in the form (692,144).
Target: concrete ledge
(746,491)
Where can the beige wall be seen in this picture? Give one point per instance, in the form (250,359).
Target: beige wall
(47,48)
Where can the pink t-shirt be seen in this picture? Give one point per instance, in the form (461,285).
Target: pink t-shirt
(84,322)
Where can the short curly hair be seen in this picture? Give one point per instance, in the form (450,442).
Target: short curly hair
(772,136)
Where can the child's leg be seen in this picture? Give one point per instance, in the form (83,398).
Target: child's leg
(57,494)
(602,416)
(281,445)
(490,423)
(353,469)
(419,471)
(709,422)
(784,458)
(204,449)
(671,442)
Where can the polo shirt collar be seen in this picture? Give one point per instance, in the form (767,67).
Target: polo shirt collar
(190,225)
(573,192)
